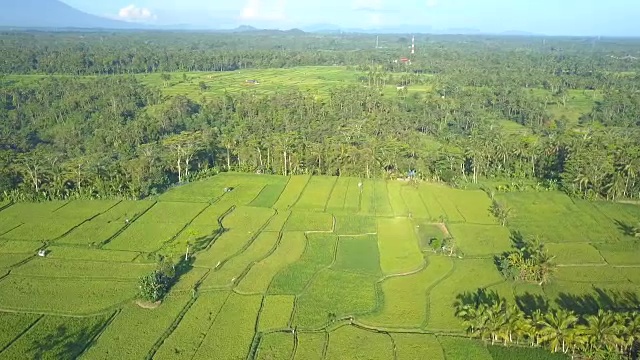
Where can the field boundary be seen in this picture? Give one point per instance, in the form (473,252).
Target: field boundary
(175,236)
(213,321)
(282,192)
(102,329)
(10,203)
(29,327)
(122,229)
(333,188)
(300,194)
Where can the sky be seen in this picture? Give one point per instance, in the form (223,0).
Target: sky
(549,17)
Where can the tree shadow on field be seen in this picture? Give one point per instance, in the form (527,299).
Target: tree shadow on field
(626,229)
(529,303)
(64,343)
(476,298)
(601,299)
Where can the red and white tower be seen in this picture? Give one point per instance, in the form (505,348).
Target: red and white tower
(413,45)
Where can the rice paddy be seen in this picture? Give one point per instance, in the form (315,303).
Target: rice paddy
(302,267)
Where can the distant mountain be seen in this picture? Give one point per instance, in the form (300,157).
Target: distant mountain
(53,14)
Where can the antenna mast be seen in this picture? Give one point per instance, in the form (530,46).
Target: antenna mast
(413,45)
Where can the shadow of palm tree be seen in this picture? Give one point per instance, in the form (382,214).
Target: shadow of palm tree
(64,342)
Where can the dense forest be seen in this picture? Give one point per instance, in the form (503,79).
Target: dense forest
(95,130)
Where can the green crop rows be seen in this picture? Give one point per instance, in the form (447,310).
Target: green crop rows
(302,267)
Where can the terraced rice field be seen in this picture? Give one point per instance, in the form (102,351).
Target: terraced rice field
(301,267)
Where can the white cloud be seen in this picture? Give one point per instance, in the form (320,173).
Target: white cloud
(137,14)
(367,5)
(264,10)
(432,3)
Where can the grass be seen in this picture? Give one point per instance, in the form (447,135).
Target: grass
(277,222)
(427,194)
(338,196)
(133,322)
(317,255)
(381,199)
(359,255)
(406,297)
(36,230)
(368,198)
(13,325)
(26,212)
(289,250)
(56,338)
(269,195)
(334,292)
(355,225)
(233,329)
(414,202)
(473,205)
(621,257)
(462,349)
(63,268)
(590,274)
(414,346)
(145,237)
(353,197)
(394,189)
(425,232)
(309,221)
(198,237)
(275,346)
(84,209)
(63,295)
(276,312)
(524,353)
(19,247)
(185,340)
(125,209)
(444,197)
(92,232)
(260,248)
(174,212)
(316,193)
(575,253)
(346,343)
(80,253)
(310,345)
(468,276)
(9,260)
(399,250)
(292,191)
(481,240)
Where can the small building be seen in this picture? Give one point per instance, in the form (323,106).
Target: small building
(252,82)
(42,253)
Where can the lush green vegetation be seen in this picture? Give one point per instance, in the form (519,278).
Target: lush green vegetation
(290,209)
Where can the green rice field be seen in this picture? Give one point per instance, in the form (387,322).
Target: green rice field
(300,267)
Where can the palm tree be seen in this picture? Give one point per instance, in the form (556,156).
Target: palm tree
(556,329)
(602,331)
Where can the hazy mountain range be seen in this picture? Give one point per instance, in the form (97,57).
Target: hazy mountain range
(57,14)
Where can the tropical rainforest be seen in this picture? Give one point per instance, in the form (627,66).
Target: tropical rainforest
(78,120)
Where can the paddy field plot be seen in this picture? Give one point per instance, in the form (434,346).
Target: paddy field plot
(407,297)
(259,249)
(233,329)
(316,193)
(346,343)
(468,276)
(185,340)
(56,337)
(398,245)
(417,346)
(277,345)
(289,250)
(145,325)
(311,345)
(303,252)
(292,191)
(318,254)
(276,312)
(334,292)
(481,240)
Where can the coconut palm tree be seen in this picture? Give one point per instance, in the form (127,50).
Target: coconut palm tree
(556,329)
(602,331)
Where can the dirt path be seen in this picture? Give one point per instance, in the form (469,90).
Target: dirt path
(444,229)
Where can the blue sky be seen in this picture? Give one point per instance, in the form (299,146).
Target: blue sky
(552,17)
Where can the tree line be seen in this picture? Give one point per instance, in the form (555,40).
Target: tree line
(602,335)
(112,136)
